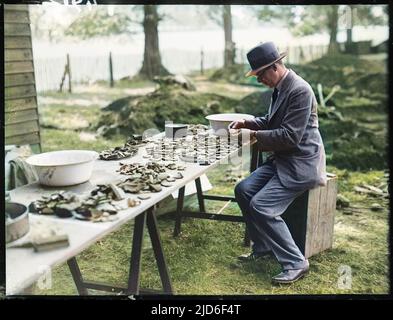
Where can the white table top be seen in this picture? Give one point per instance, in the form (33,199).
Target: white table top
(24,266)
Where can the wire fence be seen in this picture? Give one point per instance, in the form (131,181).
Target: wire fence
(88,69)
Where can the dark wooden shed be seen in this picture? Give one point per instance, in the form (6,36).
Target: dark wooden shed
(21,113)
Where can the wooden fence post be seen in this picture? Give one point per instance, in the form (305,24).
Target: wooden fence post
(110,70)
(202,56)
(67,70)
(69,73)
(288,55)
(302,56)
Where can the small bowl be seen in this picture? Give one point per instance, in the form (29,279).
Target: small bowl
(63,168)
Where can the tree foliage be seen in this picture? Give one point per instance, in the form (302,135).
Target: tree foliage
(365,15)
(45,25)
(301,20)
(99,22)
(307,20)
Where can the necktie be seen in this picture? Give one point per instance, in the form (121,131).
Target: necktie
(274,98)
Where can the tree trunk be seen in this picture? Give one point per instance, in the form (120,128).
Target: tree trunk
(332,25)
(229,53)
(349,36)
(349,26)
(152,65)
(349,21)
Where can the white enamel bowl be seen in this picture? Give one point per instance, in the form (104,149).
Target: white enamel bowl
(63,168)
(220,121)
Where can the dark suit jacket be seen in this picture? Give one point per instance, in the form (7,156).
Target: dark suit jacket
(291,132)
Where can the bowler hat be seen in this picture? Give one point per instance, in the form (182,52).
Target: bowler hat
(263,56)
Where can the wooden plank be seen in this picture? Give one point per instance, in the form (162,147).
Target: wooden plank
(16,7)
(18,67)
(315,244)
(30,138)
(319,226)
(17,55)
(20,116)
(18,79)
(333,194)
(20,91)
(16,16)
(20,104)
(323,214)
(17,29)
(320,220)
(21,128)
(326,215)
(13,42)
(330,213)
(312,220)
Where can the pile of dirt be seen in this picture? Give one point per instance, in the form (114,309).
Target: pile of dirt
(349,61)
(351,145)
(372,82)
(256,103)
(349,71)
(170,102)
(175,80)
(235,74)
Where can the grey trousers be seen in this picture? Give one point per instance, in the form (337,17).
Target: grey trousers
(263,199)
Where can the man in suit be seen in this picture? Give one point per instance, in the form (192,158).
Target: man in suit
(297,163)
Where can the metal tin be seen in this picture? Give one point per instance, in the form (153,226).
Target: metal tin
(175,130)
(17,225)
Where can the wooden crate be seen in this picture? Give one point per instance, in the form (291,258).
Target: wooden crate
(310,218)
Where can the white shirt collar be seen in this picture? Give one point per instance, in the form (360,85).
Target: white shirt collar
(279,85)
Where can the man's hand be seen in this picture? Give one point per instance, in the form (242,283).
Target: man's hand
(237,124)
(251,134)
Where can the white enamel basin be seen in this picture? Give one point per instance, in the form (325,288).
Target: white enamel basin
(220,121)
(63,168)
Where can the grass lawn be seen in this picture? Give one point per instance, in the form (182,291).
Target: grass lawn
(202,260)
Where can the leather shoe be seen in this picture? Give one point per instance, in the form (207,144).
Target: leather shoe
(290,276)
(253,256)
